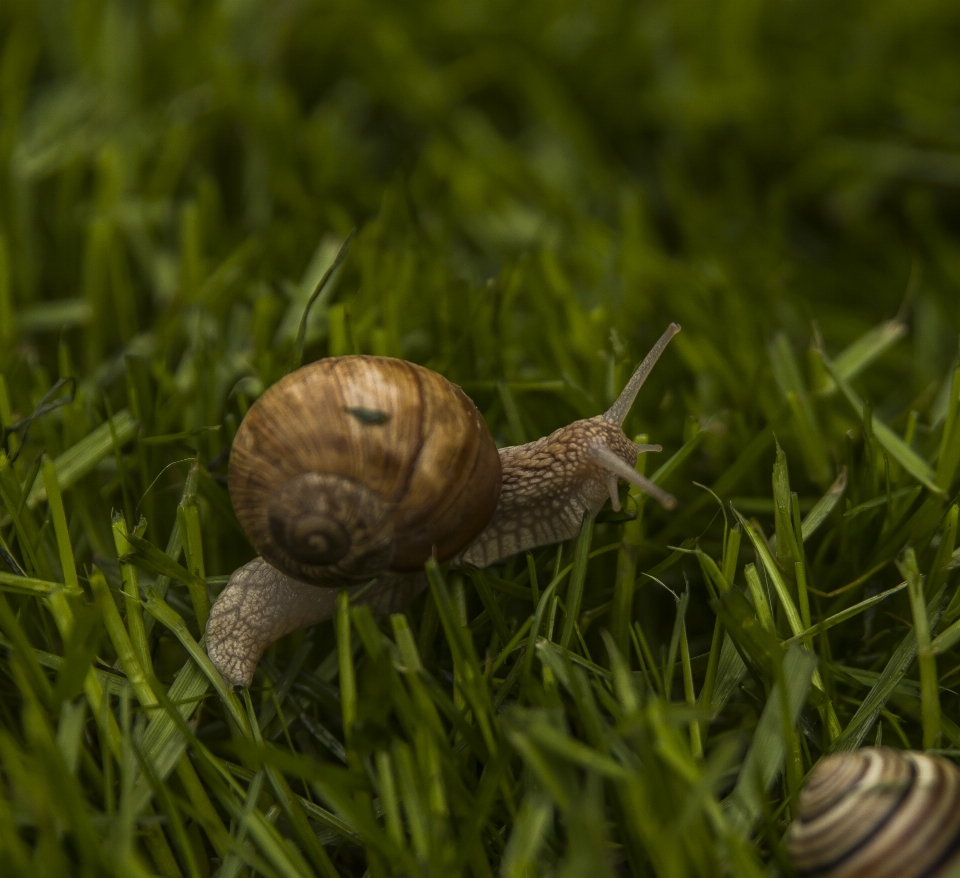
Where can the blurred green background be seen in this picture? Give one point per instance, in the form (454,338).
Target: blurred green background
(538,190)
(737,166)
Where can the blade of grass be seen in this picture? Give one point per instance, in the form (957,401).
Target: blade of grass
(894,445)
(864,351)
(80,459)
(843,615)
(765,757)
(577,579)
(949,456)
(894,670)
(696,743)
(790,611)
(926,658)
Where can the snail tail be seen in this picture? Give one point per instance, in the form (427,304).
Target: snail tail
(259,605)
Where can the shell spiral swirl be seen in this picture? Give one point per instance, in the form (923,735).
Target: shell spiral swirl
(878,813)
(353,466)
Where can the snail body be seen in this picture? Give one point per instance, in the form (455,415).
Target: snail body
(355,468)
(878,813)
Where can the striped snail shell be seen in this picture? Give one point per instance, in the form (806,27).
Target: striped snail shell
(355,466)
(878,813)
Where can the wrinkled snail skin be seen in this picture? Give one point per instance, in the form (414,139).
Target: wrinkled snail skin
(259,605)
(359,467)
(550,483)
(878,813)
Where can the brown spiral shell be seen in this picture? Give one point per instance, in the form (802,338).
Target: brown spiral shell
(878,813)
(351,466)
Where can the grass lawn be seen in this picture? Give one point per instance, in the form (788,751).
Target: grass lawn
(538,190)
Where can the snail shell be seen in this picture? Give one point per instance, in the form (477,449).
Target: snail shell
(878,813)
(352,466)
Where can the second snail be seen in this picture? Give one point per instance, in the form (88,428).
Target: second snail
(355,468)
(878,813)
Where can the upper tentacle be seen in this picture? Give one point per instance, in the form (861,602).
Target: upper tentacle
(617,413)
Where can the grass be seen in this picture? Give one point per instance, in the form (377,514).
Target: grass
(538,190)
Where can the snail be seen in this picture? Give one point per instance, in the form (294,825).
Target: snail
(354,468)
(878,813)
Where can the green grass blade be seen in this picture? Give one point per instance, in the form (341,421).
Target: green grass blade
(80,459)
(577,579)
(895,446)
(764,759)
(864,351)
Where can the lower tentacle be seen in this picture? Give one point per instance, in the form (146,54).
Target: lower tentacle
(259,605)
